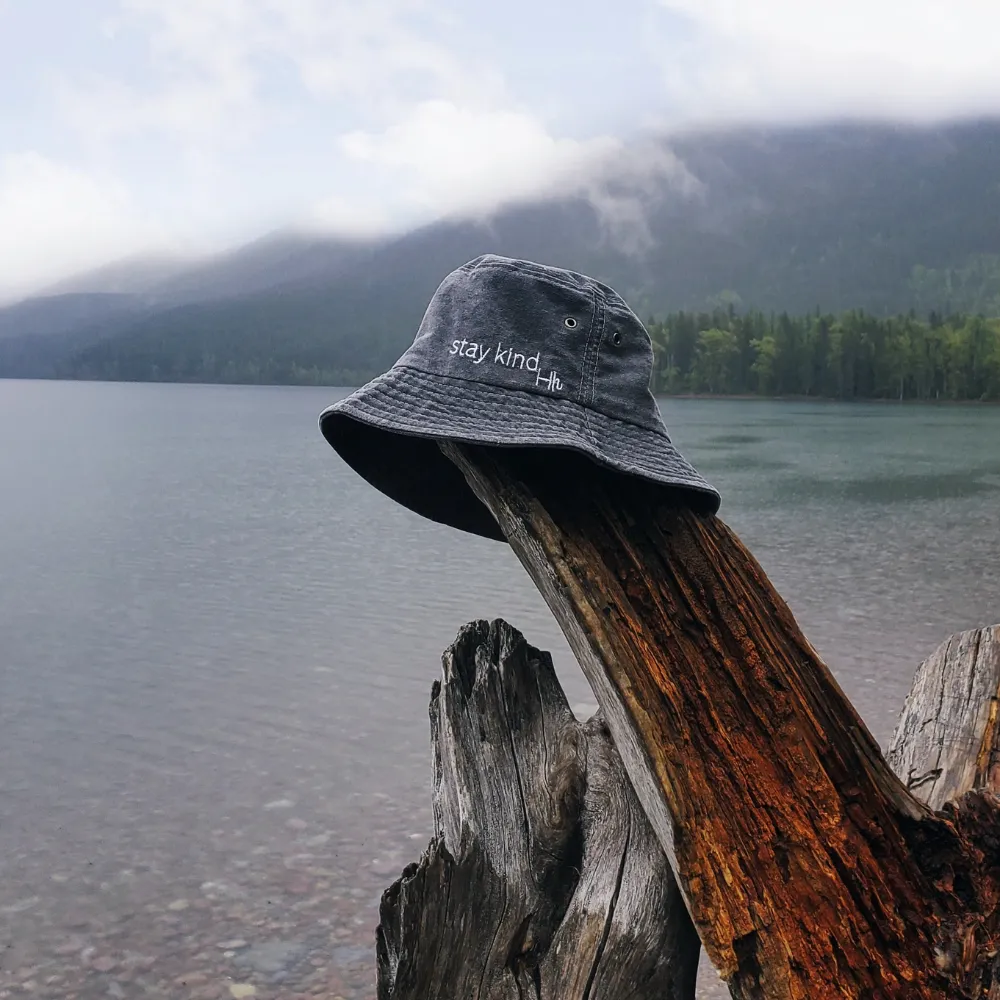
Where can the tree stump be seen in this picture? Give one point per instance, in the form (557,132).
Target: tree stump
(622,894)
(544,878)
(809,869)
(947,741)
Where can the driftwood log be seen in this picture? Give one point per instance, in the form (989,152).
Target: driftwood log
(592,909)
(544,878)
(947,741)
(809,869)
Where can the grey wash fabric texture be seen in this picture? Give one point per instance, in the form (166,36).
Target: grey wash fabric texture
(510,353)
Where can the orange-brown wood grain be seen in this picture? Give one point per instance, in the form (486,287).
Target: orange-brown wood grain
(808,868)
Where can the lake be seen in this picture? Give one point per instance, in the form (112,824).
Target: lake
(217,645)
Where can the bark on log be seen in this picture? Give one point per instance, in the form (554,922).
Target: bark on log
(544,878)
(947,740)
(945,744)
(809,869)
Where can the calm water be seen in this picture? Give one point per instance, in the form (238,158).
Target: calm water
(217,643)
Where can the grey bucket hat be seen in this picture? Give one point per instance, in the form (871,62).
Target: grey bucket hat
(510,353)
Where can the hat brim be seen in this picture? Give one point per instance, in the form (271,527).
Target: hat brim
(388,430)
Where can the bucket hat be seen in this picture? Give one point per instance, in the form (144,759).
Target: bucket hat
(517,354)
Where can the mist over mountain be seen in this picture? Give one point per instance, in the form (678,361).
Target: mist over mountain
(878,217)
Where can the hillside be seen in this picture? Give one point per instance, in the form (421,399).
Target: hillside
(875,217)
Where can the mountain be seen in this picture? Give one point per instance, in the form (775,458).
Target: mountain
(272,261)
(276,261)
(132,276)
(39,335)
(879,217)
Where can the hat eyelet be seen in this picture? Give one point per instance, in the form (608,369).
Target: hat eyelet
(571,323)
(616,338)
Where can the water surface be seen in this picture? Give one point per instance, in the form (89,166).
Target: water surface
(217,644)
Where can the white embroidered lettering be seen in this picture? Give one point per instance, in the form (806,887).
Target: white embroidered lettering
(506,356)
(551,382)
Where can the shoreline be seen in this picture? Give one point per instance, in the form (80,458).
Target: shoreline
(749,396)
(741,396)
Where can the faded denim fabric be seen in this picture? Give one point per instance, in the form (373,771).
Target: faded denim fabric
(508,313)
(510,353)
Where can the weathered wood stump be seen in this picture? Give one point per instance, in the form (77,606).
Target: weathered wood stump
(947,741)
(621,894)
(544,878)
(809,869)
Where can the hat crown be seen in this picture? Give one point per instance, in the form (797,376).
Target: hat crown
(511,354)
(538,329)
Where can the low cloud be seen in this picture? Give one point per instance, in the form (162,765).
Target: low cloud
(623,189)
(451,161)
(55,219)
(197,120)
(459,161)
(777,60)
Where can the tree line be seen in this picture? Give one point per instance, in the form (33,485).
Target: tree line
(724,351)
(849,356)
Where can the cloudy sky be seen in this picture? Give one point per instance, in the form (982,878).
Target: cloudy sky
(132,126)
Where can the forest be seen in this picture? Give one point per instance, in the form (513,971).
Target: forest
(721,350)
(848,356)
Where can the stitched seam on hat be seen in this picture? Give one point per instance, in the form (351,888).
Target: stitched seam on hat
(415,427)
(673,468)
(597,360)
(672,465)
(528,394)
(539,274)
(591,370)
(594,312)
